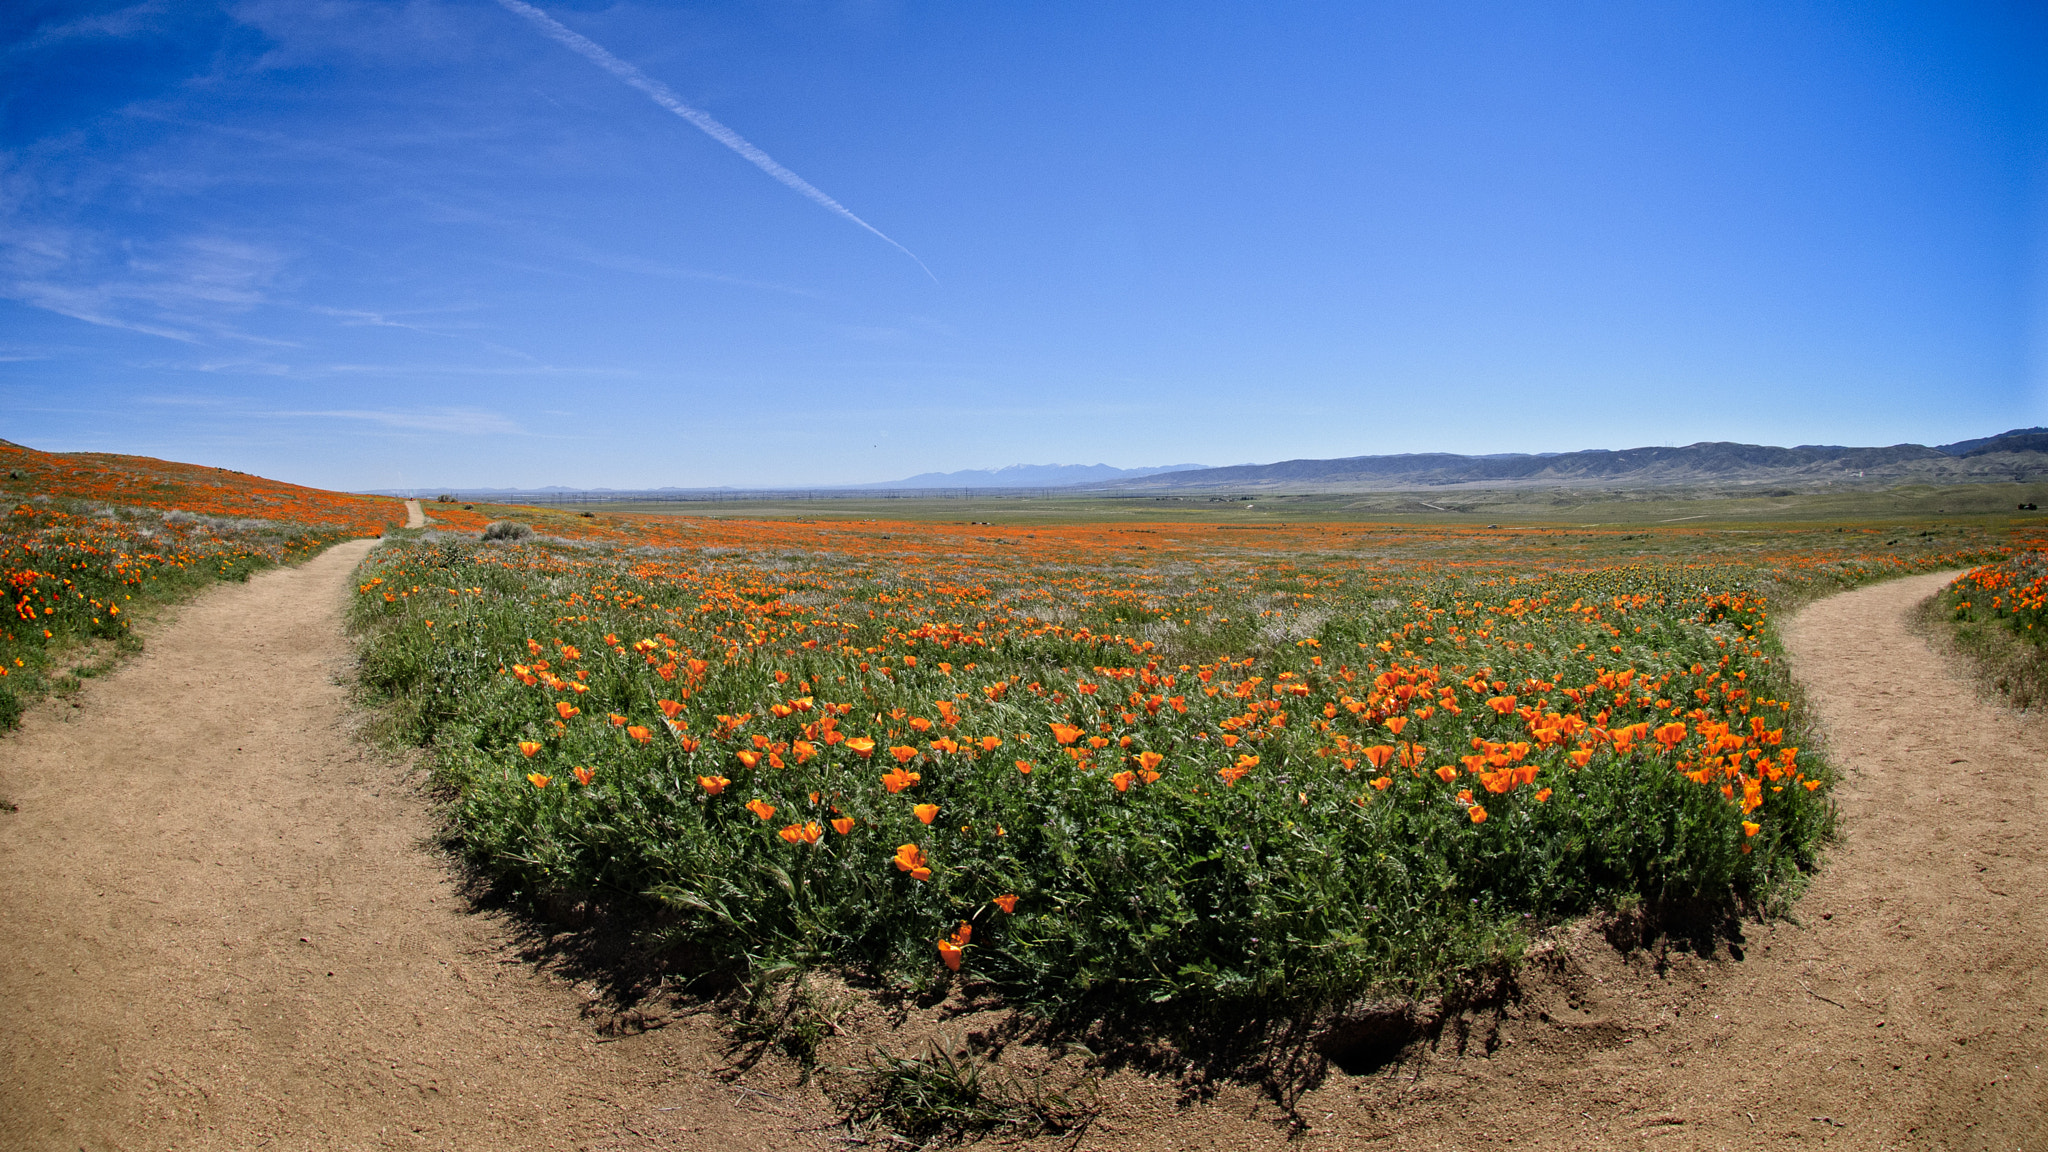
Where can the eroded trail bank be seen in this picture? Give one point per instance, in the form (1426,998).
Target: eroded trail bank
(225,927)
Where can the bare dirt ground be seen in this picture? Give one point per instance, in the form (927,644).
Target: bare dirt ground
(228,928)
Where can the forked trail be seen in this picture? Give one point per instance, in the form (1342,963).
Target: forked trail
(225,928)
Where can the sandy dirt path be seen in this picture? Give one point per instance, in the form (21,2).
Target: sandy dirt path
(225,928)
(415,516)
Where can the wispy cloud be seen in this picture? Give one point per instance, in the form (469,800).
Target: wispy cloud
(122,22)
(461,421)
(183,290)
(660,93)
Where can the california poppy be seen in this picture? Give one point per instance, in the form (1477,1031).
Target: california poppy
(538,780)
(713,784)
(926,812)
(806,833)
(910,858)
(761,808)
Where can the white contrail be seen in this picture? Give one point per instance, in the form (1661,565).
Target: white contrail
(660,94)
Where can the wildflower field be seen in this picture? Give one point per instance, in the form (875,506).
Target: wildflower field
(89,539)
(1173,764)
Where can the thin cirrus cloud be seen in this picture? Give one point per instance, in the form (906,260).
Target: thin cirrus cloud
(458,421)
(660,93)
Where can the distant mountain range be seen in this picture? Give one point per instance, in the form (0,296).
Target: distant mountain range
(2018,454)
(2021,454)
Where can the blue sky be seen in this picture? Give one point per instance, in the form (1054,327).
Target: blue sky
(424,242)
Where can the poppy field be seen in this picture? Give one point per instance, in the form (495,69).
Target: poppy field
(87,540)
(1169,764)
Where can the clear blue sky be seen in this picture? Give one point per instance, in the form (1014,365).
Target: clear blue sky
(432,242)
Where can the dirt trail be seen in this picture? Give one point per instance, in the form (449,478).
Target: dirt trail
(226,930)
(415,516)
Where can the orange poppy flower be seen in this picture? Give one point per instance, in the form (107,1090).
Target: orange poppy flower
(527,748)
(1122,780)
(640,734)
(1749,829)
(896,780)
(1447,773)
(1379,754)
(1066,733)
(584,775)
(903,753)
(669,708)
(991,743)
(1381,782)
(761,808)
(538,780)
(1477,813)
(564,709)
(926,812)
(1150,760)
(1025,766)
(843,825)
(617,720)
(910,858)
(750,759)
(1006,903)
(1542,794)
(861,746)
(1396,723)
(806,833)
(713,784)
(1502,704)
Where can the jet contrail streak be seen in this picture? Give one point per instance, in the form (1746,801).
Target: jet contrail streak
(658,92)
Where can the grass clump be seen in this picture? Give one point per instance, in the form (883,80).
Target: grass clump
(1241,778)
(510,531)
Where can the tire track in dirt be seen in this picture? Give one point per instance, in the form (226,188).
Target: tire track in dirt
(226,927)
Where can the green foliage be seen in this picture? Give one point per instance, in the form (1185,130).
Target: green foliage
(1368,782)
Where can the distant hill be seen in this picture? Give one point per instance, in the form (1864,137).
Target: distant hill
(1027,476)
(2021,453)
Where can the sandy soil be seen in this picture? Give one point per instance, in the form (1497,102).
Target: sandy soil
(227,929)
